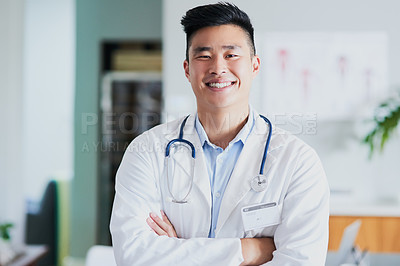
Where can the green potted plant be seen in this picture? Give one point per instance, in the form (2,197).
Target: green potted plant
(5,231)
(386,119)
(6,251)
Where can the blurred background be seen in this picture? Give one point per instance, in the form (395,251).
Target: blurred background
(80,79)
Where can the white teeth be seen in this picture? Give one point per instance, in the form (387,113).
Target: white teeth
(219,85)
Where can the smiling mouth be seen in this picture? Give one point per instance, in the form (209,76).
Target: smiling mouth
(220,85)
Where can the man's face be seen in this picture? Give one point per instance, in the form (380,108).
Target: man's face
(221,67)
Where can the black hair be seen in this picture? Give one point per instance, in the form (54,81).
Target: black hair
(221,13)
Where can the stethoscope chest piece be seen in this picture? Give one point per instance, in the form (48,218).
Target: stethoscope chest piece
(259,183)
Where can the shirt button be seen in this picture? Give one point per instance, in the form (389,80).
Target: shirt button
(218,194)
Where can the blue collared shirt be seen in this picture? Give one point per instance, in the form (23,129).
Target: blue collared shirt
(220,164)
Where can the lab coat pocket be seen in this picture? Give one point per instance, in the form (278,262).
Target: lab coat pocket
(268,231)
(261,218)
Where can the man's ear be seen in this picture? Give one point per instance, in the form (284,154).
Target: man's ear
(256,65)
(186,68)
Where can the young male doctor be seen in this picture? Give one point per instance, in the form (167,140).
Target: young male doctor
(211,204)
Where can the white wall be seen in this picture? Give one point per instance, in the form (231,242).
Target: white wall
(337,142)
(11,36)
(36,101)
(49,65)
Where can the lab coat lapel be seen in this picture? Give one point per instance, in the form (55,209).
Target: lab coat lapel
(247,167)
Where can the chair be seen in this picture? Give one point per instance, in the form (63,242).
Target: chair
(47,222)
(41,224)
(100,256)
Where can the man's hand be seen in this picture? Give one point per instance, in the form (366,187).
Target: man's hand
(161,227)
(257,251)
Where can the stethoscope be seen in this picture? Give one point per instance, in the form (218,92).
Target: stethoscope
(259,183)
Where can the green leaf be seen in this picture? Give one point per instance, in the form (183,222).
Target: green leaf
(4,230)
(384,125)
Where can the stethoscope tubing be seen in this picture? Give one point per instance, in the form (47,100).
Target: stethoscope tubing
(180,139)
(264,159)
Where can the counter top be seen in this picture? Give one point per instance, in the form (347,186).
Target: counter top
(373,259)
(390,209)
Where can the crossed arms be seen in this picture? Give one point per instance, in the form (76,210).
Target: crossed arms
(256,251)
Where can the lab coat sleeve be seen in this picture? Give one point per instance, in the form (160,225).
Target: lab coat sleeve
(133,241)
(302,236)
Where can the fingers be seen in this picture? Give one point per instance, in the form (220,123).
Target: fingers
(161,226)
(155,227)
(171,227)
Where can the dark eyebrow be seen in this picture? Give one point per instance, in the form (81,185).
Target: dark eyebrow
(201,49)
(231,47)
(207,48)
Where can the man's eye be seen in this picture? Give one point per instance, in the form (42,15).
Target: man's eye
(231,55)
(203,56)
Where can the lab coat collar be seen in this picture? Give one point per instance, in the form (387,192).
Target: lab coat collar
(261,127)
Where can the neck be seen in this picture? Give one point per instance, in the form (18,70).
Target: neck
(222,125)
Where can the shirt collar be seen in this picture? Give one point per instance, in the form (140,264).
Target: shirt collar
(241,136)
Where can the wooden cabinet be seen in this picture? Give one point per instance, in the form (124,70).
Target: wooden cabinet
(377,234)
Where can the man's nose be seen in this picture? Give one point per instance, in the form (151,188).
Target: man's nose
(218,66)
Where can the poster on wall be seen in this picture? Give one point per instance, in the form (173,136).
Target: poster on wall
(334,75)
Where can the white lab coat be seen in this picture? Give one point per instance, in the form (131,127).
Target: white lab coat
(297,182)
